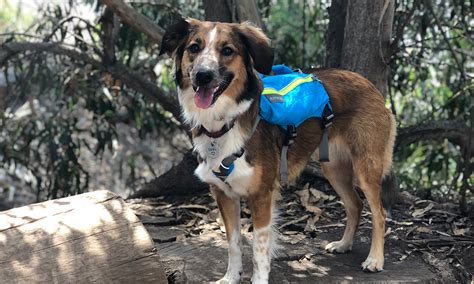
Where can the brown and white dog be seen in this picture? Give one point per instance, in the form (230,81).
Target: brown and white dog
(219,92)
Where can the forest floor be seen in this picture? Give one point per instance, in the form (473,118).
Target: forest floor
(426,242)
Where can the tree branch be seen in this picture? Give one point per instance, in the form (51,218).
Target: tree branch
(109,32)
(400,31)
(131,78)
(457,132)
(136,20)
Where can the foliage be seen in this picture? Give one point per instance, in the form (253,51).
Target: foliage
(297,30)
(57,106)
(431,78)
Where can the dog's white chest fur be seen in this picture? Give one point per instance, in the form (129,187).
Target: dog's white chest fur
(214,118)
(237,183)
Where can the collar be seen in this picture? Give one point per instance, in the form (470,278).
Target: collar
(216,134)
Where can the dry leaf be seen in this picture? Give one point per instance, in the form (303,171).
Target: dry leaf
(296,239)
(310,224)
(422,212)
(319,195)
(180,237)
(304,195)
(313,209)
(460,231)
(424,230)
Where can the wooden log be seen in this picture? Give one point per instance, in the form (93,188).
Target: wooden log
(92,237)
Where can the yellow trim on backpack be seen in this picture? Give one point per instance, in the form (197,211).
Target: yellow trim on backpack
(293,84)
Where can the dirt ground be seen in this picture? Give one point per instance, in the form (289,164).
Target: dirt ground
(426,242)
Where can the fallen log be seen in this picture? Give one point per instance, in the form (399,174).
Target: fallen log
(92,237)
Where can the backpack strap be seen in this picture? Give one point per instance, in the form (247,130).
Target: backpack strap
(290,139)
(326,121)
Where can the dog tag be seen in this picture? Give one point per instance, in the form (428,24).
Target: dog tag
(213,150)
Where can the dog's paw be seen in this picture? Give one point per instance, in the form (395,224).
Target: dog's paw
(339,247)
(229,279)
(372,264)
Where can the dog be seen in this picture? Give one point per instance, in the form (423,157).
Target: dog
(219,90)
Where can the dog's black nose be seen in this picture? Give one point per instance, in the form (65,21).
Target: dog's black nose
(204,77)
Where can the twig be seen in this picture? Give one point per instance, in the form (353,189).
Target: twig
(439,242)
(296,221)
(393,49)
(136,20)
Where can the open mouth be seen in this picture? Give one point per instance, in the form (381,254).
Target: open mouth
(206,96)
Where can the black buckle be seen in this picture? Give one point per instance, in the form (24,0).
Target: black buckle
(290,135)
(327,116)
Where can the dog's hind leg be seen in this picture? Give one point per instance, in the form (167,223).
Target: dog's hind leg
(370,179)
(230,211)
(340,174)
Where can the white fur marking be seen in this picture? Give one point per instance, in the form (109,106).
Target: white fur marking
(263,245)
(209,57)
(237,183)
(213,118)
(234,265)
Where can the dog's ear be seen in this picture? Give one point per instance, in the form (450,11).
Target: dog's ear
(175,35)
(258,46)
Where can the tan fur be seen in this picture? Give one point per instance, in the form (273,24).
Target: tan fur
(360,141)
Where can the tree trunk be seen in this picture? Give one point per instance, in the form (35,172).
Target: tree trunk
(358,38)
(218,11)
(335,33)
(179,180)
(232,11)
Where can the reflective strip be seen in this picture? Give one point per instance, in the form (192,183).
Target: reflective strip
(293,84)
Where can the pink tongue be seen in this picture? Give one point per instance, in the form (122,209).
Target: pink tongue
(203,97)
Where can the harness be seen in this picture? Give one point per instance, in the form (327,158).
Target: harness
(288,99)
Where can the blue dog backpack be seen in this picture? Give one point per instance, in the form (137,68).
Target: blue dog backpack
(288,99)
(291,97)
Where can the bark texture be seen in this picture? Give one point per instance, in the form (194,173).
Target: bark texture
(232,11)
(364,29)
(335,33)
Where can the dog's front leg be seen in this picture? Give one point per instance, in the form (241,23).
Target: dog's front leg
(261,204)
(230,211)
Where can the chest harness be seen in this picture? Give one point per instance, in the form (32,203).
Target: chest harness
(288,99)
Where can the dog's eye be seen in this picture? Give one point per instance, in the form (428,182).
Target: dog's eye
(194,48)
(227,51)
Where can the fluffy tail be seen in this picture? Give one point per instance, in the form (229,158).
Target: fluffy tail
(390,190)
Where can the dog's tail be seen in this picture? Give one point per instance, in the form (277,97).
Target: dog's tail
(390,192)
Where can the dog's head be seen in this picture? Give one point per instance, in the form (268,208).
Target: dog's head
(216,60)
